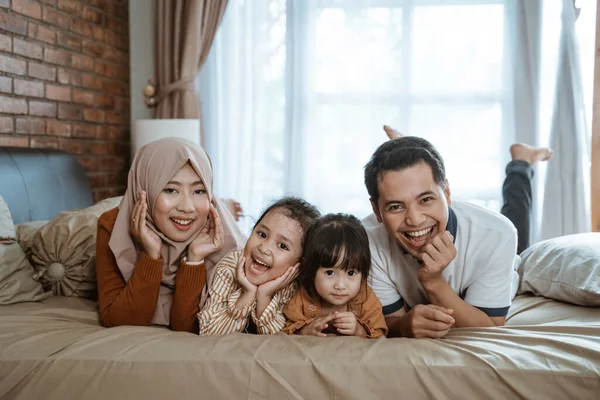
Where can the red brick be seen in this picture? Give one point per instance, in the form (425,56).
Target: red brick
(83,97)
(56,128)
(49,2)
(42,108)
(28,8)
(116,25)
(93,115)
(5,43)
(99,33)
(82,62)
(69,111)
(81,27)
(6,125)
(92,82)
(31,126)
(68,40)
(97,179)
(92,49)
(79,146)
(29,88)
(10,105)
(69,6)
(91,163)
(44,143)
(121,42)
(91,15)
(114,55)
(123,73)
(27,49)
(69,76)
(13,23)
(105,102)
(55,18)
(14,141)
(41,71)
(12,65)
(41,33)
(122,10)
(59,93)
(114,119)
(5,84)
(114,87)
(60,57)
(106,69)
(84,131)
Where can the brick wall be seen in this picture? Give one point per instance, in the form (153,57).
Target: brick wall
(64,73)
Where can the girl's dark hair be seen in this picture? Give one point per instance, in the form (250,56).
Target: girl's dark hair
(332,237)
(295,208)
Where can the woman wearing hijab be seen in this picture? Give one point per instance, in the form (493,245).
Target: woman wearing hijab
(158,249)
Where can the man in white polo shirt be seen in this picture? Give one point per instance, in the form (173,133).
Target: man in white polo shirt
(438,263)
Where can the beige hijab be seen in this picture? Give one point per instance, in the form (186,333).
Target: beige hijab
(153,167)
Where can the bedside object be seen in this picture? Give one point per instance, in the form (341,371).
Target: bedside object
(144,131)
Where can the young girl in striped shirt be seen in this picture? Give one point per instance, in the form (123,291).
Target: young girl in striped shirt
(253,285)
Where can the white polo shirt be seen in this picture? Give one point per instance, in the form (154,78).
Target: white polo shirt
(483,273)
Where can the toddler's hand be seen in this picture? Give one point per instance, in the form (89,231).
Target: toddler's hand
(346,324)
(316,327)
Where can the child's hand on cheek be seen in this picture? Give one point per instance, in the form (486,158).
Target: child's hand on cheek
(346,324)
(268,289)
(316,327)
(240,275)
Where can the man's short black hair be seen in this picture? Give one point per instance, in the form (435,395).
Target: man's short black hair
(399,154)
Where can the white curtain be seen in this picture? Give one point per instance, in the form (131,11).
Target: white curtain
(296,92)
(566,200)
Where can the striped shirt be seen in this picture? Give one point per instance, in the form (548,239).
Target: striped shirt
(219,315)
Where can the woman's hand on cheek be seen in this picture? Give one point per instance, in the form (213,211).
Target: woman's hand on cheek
(209,240)
(268,289)
(240,275)
(147,240)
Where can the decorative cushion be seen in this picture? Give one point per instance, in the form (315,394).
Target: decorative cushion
(26,232)
(566,268)
(16,283)
(63,252)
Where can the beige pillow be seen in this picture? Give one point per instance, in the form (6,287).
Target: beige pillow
(63,252)
(16,283)
(25,233)
(566,268)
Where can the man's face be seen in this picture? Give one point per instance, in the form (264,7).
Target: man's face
(412,206)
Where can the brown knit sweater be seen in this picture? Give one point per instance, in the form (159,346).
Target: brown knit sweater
(134,302)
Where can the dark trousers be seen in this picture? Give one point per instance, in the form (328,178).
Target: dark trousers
(516,192)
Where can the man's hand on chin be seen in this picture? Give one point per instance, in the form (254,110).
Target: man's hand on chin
(435,256)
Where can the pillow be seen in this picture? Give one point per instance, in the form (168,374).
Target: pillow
(63,252)
(16,283)
(566,268)
(25,233)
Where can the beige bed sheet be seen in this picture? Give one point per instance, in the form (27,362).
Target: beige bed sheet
(57,350)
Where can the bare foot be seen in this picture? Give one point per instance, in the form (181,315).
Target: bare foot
(391,132)
(530,154)
(234,208)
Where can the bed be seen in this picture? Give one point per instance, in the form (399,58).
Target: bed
(56,349)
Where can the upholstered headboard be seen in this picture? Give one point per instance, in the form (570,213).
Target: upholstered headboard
(38,184)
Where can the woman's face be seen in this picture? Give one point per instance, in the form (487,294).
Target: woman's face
(181,209)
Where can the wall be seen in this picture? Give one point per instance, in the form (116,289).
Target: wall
(141,56)
(64,83)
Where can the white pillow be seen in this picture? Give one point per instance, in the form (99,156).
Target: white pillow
(16,273)
(566,268)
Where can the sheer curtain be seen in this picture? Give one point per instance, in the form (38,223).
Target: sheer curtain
(299,91)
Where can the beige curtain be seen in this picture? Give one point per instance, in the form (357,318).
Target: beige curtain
(184,35)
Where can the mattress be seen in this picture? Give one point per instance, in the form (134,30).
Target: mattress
(57,350)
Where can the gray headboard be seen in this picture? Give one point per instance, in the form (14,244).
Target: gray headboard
(38,184)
